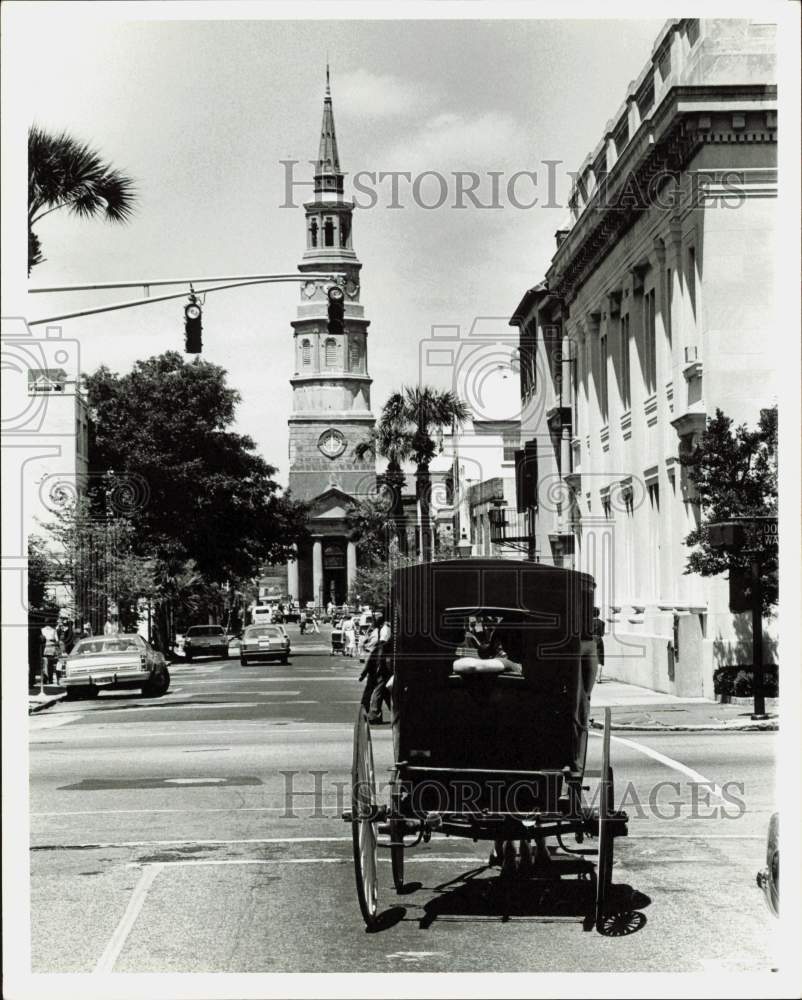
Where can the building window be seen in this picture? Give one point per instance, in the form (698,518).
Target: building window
(512,442)
(649,347)
(354,356)
(331,352)
(603,376)
(345,231)
(313,233)
(621,136)
(626,390)
(692,281)
(328,233)
(306,352)
(669,297)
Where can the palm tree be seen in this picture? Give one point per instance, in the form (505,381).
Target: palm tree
(391,438)
(411,424)
(65,173)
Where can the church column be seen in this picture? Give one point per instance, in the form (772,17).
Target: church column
(292,576)
(317,571)
(350,566)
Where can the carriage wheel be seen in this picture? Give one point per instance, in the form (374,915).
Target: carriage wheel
(604,866)
(397,853)
(363,828)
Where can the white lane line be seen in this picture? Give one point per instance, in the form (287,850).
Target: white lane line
(675,765)
(123,929)
(173,843)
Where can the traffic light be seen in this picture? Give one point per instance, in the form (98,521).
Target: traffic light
(192,327)
(336,309)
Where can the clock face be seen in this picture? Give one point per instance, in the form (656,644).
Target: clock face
(309,289)
(193,312)
(331,443)
(335,293)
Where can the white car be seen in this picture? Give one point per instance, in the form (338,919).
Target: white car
(264,642)
(114,661)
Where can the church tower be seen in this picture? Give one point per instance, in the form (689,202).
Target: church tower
(330,385)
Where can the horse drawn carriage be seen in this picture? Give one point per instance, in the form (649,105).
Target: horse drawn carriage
(492,666)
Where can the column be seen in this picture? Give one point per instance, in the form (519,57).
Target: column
(350,566)
(317,571)
(292,576)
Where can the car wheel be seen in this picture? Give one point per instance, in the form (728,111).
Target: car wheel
(75,694)
(226,654)
(158,685)
(243,661)
(188,657)
(284,661)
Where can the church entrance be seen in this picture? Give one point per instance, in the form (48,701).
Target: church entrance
(335,582)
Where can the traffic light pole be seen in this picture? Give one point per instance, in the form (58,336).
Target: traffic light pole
(234,281)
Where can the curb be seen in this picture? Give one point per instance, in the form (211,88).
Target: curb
(38,706)
(769,725)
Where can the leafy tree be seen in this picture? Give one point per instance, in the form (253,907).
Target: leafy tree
(410,426)
(65,173)
(734,473)
(371,529)
(93,556)
(201,493)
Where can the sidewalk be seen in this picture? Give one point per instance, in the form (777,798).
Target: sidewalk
(41,700)
(637,709)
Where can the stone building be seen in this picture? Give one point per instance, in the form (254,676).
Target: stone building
(331,387)
(657,308)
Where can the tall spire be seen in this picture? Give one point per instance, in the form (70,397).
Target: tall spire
(328,176)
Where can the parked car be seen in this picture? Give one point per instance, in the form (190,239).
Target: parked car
(114,661)
(205,640)
(264,642)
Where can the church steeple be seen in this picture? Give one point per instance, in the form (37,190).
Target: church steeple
(328,176)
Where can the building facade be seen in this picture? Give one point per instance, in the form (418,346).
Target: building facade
(330,388)
(657,309)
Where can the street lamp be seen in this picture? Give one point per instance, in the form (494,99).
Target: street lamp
(464,546)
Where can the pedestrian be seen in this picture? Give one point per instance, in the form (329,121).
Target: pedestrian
(349,637)
(50,653)
(315,623)
(598,629)
(112,626)
(377,670)
(302,622)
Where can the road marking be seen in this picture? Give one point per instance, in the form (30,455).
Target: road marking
(675,765)
(234,810)
(123,929)
(193,781)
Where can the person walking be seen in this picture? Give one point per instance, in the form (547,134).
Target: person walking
(50,652)
(598,629)
(302,622)
(315,623)
(376,670)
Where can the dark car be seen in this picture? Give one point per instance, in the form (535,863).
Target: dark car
(264,642)
(206,640)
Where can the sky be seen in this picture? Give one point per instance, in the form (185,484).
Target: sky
(202,112)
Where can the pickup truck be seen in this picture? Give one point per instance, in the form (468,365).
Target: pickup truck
(205,640)
(114,661)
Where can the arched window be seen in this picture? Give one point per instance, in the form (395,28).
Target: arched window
(354,355)
(345,230)
(328,233)
(313,232)
(331,352)
(306,352)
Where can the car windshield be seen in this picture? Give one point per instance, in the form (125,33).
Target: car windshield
(268,630)
(205,630)
(119,644)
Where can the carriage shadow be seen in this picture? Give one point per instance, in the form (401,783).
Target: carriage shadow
(476,895)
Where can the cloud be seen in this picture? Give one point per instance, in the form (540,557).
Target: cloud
(380,95)
(490,141)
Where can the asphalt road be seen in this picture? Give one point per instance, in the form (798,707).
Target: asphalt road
(200,833)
